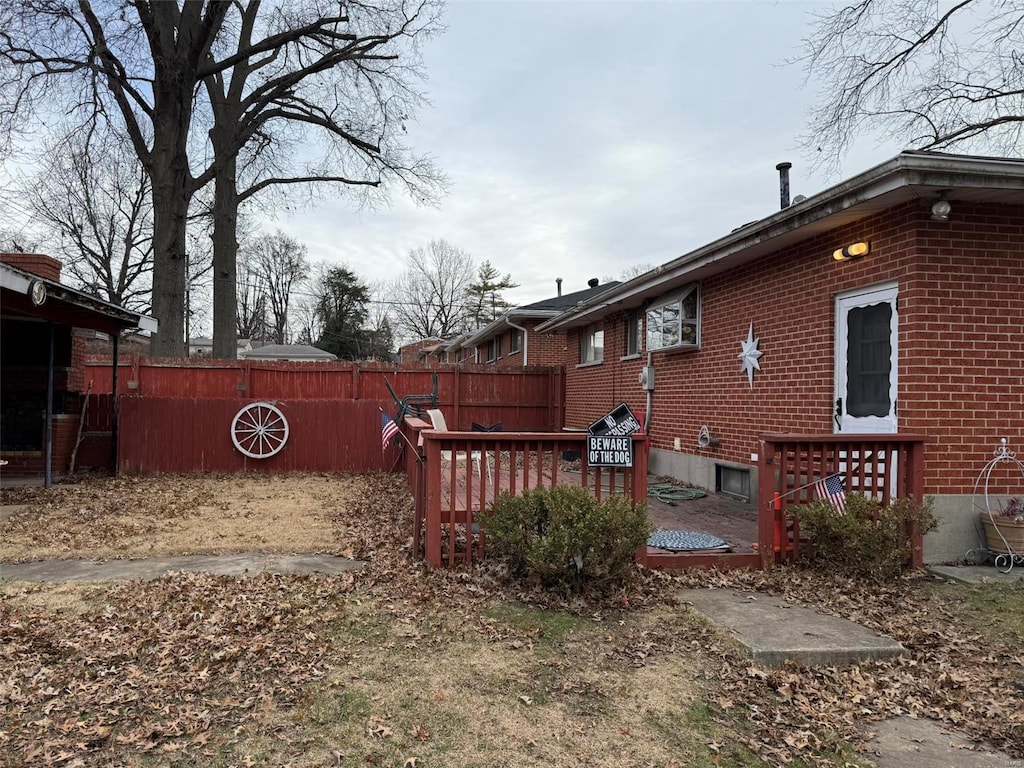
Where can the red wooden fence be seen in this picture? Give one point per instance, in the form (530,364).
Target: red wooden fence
(176,434)
(884,467)
(457,475)
(529,399)
(178,415)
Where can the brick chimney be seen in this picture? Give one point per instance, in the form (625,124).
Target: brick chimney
(37,263)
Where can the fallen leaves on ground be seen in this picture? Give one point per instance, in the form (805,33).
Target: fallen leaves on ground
(88,515)
(172,664)
(160,663)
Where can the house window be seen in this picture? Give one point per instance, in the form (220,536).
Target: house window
(676,321)
(634,334)
(516,341)
(494,349)
(592,345)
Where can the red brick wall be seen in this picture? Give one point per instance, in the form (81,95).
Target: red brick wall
(961,312)
(410,352)
(36,263)
(65,432)
(540,348)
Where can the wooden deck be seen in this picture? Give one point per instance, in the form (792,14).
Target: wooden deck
(457,475)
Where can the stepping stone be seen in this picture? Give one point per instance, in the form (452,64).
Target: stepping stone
(906,742)
(774,631)
(154,568)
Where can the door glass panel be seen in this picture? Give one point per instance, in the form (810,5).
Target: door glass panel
(869,360)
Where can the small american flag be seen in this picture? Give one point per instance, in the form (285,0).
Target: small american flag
(833,490)
(388,430)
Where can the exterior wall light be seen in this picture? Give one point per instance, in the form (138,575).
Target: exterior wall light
(941,208)
(852,251)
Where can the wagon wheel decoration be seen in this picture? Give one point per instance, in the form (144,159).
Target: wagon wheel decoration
(259,430)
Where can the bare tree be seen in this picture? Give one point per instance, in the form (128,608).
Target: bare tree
(634,271)
(252,317)
(92,196)
(280,264)
(306,317)
(335,80)
(429,298)
(141,63)
(931,75)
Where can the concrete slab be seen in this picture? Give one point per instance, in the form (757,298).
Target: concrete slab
(977,574)
(774,630)
(905,742)
(7,510)
(154,568)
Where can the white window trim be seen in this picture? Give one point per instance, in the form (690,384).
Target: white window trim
(677,299)
(588,333)
(639,336)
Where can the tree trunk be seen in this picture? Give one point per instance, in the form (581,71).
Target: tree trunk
(170,203)
(225,251)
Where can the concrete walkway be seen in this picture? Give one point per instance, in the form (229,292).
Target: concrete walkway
(773,630)
(905,742)
(155,567)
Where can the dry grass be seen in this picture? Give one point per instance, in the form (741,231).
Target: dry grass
(173,515)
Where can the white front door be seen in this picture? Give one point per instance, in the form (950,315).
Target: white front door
(866,357)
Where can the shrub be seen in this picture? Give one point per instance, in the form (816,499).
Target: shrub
(567,538)
(869,540)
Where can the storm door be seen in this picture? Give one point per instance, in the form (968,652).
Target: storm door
(866,357)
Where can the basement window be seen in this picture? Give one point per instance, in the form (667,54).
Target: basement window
(675,322)
(732,481)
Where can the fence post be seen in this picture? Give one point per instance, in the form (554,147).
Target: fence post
(641,456)
(433,493)
(456,396)
(916,466)
(766,512)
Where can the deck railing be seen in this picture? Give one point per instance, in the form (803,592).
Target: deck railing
(455,476)
(884,467)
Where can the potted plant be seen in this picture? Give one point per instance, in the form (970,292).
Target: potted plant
(1004,529)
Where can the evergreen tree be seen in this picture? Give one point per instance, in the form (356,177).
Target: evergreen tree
(341,309)
(483,297)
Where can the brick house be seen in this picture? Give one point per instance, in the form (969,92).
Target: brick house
(512,341)
(416,351)
(890,303)
(43,345)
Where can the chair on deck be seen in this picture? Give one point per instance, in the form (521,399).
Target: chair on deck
(440,425)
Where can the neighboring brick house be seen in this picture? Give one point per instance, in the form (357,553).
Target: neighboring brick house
(511,340)
(43,354)
(415,351)
(923,334)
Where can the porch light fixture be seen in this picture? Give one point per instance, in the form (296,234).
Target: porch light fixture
(852,251)
(941,208)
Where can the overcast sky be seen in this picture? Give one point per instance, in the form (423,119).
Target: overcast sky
(583,137)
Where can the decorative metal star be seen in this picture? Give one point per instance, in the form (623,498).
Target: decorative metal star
(750,355)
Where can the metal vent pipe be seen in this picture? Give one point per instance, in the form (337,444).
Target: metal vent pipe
(783,169)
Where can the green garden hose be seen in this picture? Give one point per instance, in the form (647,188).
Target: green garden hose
(669,492)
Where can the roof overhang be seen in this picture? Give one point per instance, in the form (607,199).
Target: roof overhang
(499,324)
(909,176)
(66,305)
